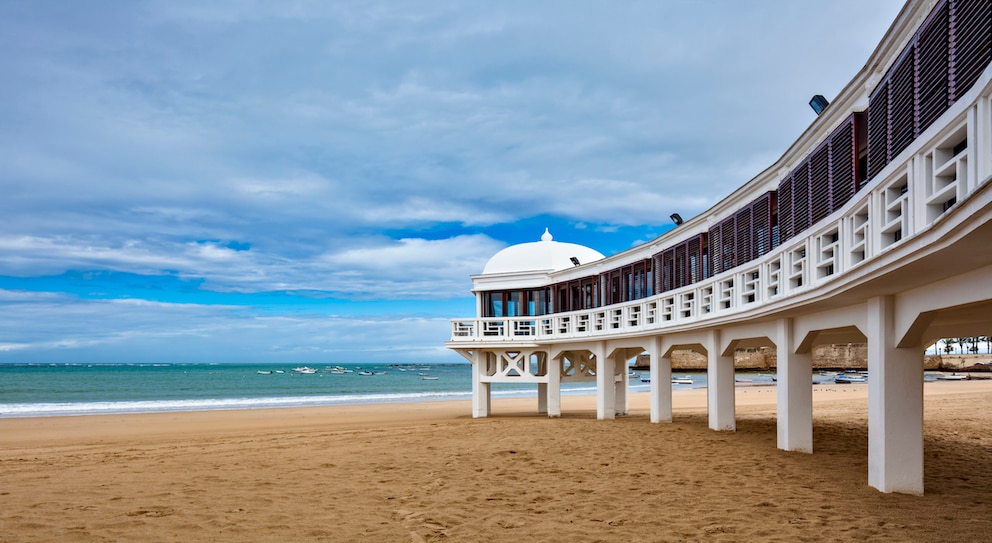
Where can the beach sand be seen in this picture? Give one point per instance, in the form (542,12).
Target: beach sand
(429,472)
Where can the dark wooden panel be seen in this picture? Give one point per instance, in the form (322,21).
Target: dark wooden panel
(761,224)
(786,226)
(800,198)
(878,130)
(819,184)
(971,43)
(843,165)
(902,107)
(932,67)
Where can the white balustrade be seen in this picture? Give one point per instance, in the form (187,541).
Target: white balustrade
(906,198)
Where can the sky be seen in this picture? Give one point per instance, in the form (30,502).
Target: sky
(314,182)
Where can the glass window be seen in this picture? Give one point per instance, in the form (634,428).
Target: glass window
(514,303)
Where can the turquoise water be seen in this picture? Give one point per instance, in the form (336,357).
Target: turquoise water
(28,390)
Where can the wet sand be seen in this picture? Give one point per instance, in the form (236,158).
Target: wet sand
(429,472)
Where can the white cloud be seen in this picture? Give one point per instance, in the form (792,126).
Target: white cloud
(69,330)
(378,150)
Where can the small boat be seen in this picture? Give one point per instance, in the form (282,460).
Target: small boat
(264,372)
(648,380)
(952,377)
(844,378)
(365,373)
(305,369)
(633,374)
(428,378)
(828,373)
(684,380)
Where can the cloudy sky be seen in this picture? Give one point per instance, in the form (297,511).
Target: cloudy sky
(314,181)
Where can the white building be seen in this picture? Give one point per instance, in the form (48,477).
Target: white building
(874,226)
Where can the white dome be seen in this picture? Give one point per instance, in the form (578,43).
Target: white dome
(544,255)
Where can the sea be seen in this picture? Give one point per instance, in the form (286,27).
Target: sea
(37,390)
(41,390)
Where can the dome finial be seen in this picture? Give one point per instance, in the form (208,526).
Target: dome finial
(546,236)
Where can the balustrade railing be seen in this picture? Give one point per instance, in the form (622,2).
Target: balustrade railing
(940,169)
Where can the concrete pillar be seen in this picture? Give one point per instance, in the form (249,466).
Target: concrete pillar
(542,398)
(480,391)
(622,382)
(795,392)
(554,387)
(661,383)
(895,405)
(720,386)
(605,384)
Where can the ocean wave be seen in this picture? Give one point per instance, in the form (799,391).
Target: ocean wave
(214,404)
(52,409)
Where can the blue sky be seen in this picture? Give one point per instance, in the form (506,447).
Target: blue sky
(314,182)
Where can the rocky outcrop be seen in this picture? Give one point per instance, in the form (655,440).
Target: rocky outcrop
(842,356)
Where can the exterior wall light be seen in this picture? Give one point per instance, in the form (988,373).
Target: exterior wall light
(818,103)
(676,218)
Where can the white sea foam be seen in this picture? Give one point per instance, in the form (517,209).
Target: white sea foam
(154,406)
(50,409)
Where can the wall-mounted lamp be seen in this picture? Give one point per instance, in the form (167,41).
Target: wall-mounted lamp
(677,219)
(574,260)
(818,103)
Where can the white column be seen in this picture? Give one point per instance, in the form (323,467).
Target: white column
(720,386)
(542,398)
(795,392)
(554,387)
(661,383)
(605,384)
(480,390)
(622,371)
(895,405)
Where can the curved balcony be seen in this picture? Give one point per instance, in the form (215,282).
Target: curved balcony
(905,261)
(937,188)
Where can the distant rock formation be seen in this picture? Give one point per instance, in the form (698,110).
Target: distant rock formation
(841,356)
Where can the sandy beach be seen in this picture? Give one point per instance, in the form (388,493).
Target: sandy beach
(429,472)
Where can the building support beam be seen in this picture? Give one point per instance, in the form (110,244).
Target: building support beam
(661,382)
(794,391)
(895,405)
(553,402)
(621,383)
(542,398)
(481,397)
(605,384)
(720,385)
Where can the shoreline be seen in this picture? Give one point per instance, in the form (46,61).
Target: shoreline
(750,399)
(427,471)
